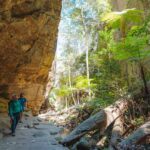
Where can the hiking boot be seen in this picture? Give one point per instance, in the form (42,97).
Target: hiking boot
(13,134)
(20,121)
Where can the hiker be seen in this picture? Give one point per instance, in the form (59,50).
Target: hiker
(23,103)
(14,109)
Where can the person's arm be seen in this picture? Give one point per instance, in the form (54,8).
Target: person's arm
(10,110)
(20,105)
(25,103)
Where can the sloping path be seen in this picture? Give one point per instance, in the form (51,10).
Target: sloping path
(33,134)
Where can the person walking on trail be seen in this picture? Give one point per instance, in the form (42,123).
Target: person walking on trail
(14,109)
(23,103)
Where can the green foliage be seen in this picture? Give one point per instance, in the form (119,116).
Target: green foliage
(106,70)
(115,19)
(81,83)
(134,48)
(138,121)
(62,91)
(100,103)
(134,40)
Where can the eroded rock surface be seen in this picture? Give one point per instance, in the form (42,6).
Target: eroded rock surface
(28,32)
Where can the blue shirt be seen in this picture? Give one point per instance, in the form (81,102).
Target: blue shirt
(22,101)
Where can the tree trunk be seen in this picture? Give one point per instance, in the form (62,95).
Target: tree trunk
(100,120)
(66,99)
(70,84)
(127,75)
(123,28)
(86,37)
(78,97)
(146,5)
(144,79)
(87,69)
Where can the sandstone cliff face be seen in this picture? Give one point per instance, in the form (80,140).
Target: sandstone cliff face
(119,5)
(28,33)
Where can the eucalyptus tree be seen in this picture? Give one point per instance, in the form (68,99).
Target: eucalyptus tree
(87,14)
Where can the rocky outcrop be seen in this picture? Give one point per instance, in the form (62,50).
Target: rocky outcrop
(28,32)
(118,5)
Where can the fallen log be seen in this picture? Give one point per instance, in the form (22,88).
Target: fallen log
(100,120)
(138,137)
(116,133)
(131,127)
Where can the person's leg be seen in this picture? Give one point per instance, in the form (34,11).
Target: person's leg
(15,121)
(21,117)
(13,125)
(17,118)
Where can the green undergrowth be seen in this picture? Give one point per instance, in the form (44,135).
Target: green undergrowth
(100,103)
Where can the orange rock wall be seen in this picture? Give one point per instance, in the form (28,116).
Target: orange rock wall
(28,36)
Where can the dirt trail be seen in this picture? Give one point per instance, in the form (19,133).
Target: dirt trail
(33,134)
